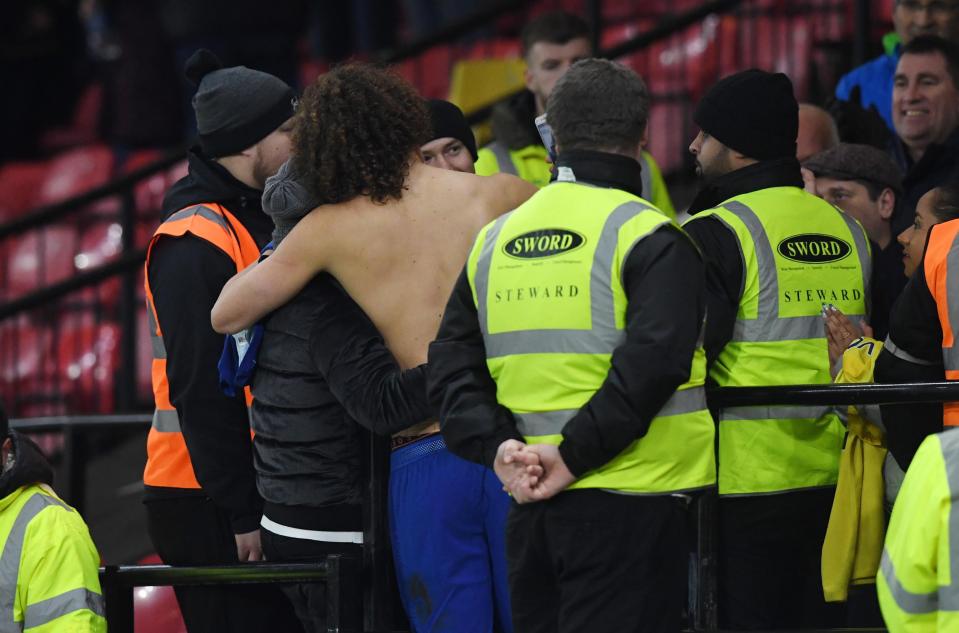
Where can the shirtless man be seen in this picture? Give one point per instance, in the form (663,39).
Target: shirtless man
(396,238)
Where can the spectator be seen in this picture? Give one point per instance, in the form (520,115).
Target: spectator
(48,567)
(865,183)
(551,43)
(525,361)
(915,347)
(768,272)
(201,498)
(453,145)
(926,118)
(817,131)
(323,371)
(911,19)
(395,234)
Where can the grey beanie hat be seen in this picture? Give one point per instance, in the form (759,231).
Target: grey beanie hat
(235,107)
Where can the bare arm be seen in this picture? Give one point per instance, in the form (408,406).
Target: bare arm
(504,192)
(261,288)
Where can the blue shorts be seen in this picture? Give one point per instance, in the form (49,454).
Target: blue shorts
(448,527)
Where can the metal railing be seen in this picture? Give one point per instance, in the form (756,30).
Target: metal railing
(376,587)
(340,574)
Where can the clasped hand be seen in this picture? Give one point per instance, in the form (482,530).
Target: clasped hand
(531,472)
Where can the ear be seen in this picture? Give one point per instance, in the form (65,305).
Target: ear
(887,203)
(5,449)
(644,140)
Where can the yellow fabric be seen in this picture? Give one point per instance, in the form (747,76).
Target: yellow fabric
(561,295)
(857,524)
(531,163)
(57,560)
(659,194)
(917,593)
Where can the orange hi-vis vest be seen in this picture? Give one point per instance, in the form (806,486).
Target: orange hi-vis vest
(168,462)
(941,265)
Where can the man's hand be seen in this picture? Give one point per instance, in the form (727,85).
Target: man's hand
(248,546)
(556,476)
(518,469)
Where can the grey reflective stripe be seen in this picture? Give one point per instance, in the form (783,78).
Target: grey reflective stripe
(543,422)
(865,261)
(552,422)
(156,341)
(48,610)
(503,158)
(753,330)
(201,210)
(914,603)
(774,413)
(12,552)
(768,326)
(647,178)
(950,355)
(944,598)
(166,421)
(902,354)
(481,278)
(683,402)
(602,338)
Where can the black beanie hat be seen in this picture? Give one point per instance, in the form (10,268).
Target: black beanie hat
(235,107)
(752,112)
(448,121)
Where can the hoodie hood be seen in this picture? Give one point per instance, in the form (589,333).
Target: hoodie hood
(30,467)
(513,122)
(208,181)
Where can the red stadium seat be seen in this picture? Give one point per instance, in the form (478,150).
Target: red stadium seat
(155,609)
(40,258)
(88,356)
(78,171)
(19,184)
(24,352)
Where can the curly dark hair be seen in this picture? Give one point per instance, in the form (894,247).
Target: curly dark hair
(355,130)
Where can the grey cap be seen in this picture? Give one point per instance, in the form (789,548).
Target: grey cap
(852,161)
(235,107)
(286,200)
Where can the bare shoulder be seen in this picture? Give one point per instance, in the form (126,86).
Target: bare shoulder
(501,193)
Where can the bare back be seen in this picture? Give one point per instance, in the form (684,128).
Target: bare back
(400,261)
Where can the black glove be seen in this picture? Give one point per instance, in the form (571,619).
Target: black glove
(857,124)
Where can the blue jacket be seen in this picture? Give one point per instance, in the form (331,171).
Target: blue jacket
(874,79)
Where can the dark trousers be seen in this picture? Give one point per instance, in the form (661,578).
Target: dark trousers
(192,531)
(589,560)
(308,599)
(770,553)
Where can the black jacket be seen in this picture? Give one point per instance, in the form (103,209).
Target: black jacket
(938,165)
(186,276)
(663,320)
(915,328)
(512,122)
(323,371)
(720,248)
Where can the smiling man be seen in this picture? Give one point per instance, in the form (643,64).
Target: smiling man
(912,19)
(925,113)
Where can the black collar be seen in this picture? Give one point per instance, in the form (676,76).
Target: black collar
(781,172)
(602,169)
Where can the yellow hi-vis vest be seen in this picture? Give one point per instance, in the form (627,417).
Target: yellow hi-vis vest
(798,252)
(531,164)
(547,283)
(918,581)
(48,566)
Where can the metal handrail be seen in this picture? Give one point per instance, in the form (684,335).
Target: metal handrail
(340,574)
